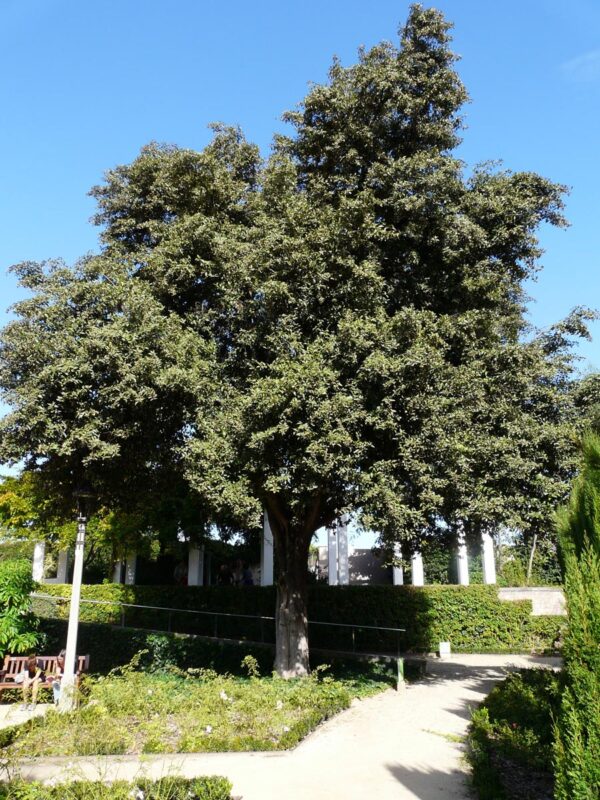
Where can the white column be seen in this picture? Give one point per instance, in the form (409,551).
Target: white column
(343,573)
(196,566)
(118,572)
(462,559)
(417,571)
(266,553)
(130,569)
(332,570)
(397,571)
(62,568)
(39,555)
(487,558)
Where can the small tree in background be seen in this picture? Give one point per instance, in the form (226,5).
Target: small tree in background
(18,632)
(577,732)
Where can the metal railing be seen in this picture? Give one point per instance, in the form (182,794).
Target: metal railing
(216,615)
(355,628)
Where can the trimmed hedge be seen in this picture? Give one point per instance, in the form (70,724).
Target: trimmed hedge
(472,618)
(110,647)
(252,600)
(212,787)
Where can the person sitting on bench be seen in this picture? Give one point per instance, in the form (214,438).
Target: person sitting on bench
(33,676)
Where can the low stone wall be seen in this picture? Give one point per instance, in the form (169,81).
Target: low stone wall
(545,600)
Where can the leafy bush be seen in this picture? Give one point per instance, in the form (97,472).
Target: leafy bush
(511,736)
(16,549)
(18,626)
(513,563)
(471,617)
(513,572)
(170,788)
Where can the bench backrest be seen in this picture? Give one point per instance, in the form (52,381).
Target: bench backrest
(14,665)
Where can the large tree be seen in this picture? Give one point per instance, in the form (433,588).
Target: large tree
(338,328)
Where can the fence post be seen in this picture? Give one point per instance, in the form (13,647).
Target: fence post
(400,679)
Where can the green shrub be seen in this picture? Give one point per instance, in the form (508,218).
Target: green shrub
(18,626)
(472,618)
(521,710)
(513,572)
(170,788)
(511,736)
(16,549)
(513,563)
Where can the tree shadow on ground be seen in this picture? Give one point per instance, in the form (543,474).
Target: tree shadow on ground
(488,667)
(431,784)
(479,680)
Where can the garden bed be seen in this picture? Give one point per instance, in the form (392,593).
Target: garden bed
(186,712)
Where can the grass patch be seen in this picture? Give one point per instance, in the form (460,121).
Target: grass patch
(194,711)
(455,738)
(171,788)
(511,737)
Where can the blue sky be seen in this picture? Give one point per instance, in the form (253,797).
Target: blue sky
(86,83)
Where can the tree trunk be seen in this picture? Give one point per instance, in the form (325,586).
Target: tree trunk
(531,557)
(291,622)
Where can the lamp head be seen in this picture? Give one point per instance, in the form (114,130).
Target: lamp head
(83,494)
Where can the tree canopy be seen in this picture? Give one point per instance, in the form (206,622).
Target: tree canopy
(340,327)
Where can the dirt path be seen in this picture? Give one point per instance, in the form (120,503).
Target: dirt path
(393,746)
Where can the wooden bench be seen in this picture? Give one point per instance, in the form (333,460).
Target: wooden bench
(15,665)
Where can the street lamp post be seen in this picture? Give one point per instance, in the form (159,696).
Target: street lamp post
(67,698)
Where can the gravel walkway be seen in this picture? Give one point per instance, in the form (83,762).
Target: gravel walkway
(392,746)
